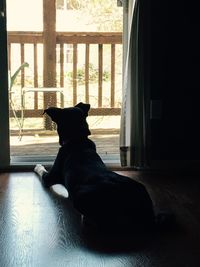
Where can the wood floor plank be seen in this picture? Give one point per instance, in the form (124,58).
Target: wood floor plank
(40,227)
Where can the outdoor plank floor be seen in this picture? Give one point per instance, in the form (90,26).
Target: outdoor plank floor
(47,144)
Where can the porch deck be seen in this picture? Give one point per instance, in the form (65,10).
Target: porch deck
(39,143)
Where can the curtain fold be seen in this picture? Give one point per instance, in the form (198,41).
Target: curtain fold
(134,122)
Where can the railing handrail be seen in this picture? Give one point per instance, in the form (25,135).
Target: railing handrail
(72,37)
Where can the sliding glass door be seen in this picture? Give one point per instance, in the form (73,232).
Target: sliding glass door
(61,53)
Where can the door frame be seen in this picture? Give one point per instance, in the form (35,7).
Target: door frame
(4,98)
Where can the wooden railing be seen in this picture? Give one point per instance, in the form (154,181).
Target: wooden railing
(74,39)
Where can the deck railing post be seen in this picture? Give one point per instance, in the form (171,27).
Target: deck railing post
(87,67)
(100,80)
(35,75)
(75,74)
(112,91)
(49,52)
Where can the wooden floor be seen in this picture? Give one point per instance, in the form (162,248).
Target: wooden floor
(40,228)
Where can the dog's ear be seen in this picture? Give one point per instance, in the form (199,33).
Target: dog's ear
(54,113)
(84,107)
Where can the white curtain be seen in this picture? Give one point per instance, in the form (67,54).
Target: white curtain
(135,105)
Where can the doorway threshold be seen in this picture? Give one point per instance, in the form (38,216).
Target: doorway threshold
(28,163)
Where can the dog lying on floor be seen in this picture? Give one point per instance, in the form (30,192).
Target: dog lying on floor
(104,198)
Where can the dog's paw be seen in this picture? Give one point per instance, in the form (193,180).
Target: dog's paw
(40,169)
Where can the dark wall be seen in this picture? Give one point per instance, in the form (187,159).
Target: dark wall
(175,80)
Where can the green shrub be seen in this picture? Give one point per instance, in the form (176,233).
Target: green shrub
(93,75)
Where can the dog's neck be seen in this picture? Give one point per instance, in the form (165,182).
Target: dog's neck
(74,140)
(83,142)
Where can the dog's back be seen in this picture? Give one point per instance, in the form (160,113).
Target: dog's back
(100,194)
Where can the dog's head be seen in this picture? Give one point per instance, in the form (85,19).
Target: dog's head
(71,122)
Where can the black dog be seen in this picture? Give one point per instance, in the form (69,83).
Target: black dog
(105,198)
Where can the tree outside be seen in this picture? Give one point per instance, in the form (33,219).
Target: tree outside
(95,15)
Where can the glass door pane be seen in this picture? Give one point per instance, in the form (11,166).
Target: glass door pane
(66,52)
